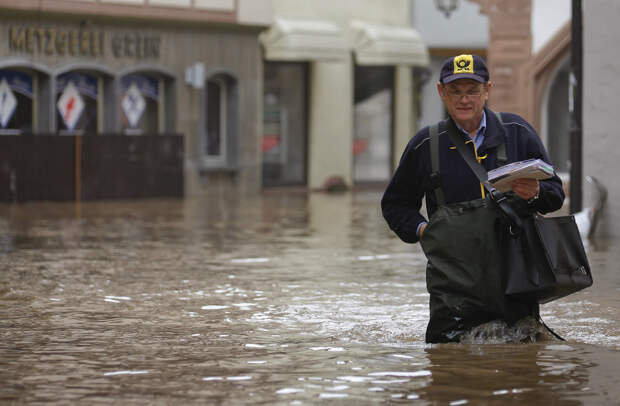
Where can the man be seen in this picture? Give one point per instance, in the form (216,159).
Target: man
(464,271)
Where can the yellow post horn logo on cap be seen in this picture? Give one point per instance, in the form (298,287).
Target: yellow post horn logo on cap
(463,64)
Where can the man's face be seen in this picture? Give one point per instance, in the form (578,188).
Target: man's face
(465,100)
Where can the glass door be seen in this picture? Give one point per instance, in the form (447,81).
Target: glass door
(373,123)
(284,139)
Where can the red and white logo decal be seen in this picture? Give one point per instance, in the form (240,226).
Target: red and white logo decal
(70,105)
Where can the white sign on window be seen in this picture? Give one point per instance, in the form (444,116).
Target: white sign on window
(70,105)
(133,105)
(8,103)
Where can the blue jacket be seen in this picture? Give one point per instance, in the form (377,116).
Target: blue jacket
(402,199)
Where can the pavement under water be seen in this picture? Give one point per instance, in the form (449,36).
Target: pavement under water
(278,299)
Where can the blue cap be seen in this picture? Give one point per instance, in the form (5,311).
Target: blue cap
(464,67)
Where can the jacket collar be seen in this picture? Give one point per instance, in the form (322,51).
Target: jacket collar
(495,133)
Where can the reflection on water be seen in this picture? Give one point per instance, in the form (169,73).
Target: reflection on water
(283,299)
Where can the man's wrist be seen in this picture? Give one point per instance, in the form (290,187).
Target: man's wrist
(532,199)
(422,224)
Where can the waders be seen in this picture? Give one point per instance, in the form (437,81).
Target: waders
(464,274)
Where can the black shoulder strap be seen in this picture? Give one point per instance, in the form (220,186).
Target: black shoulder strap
(435,178)
(501,149)
(468,155)
(481,173)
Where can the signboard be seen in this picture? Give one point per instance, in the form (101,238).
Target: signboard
(16,92)
(133,105)
(61,41)
(8,103)
(137,89)
(70,105)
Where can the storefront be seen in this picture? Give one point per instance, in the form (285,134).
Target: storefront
(285,140)
(339,91)
(184,77)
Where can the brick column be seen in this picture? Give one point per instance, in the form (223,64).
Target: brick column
(509,54)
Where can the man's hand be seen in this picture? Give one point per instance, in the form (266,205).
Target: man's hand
(422,227)
(525,188)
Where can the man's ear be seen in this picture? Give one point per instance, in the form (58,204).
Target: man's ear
(488,89)
(440,90)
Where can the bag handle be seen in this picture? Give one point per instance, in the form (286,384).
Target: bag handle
(481,173)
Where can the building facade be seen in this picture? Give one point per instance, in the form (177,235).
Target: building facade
(600,111)
(529,54)
(458,30)
(135,68)
(339,95)
(527,46)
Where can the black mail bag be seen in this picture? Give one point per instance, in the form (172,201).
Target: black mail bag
(544,257)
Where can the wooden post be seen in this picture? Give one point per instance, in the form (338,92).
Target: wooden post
(78,173)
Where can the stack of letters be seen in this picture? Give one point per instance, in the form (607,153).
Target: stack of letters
(535,168)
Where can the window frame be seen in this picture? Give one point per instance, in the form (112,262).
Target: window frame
(222,130)
(33,76)
(228,105)
(161,103)
(390,77)
(302,140)
(99,104)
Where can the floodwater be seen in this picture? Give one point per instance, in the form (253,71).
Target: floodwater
(280,299)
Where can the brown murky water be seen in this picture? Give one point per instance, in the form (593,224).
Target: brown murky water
(281,299)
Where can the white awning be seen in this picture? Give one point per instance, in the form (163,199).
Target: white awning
(303,40)
(388,45)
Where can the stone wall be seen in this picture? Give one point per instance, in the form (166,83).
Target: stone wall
(509,53)
(601,88)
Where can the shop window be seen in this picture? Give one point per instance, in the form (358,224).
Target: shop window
(216,119)
(16,102)
(558,133)
(220,121)
(141,102)
(373,123)
(283,143)
(77,96)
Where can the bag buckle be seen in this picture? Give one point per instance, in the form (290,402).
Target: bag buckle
(497,196)
(434,180)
